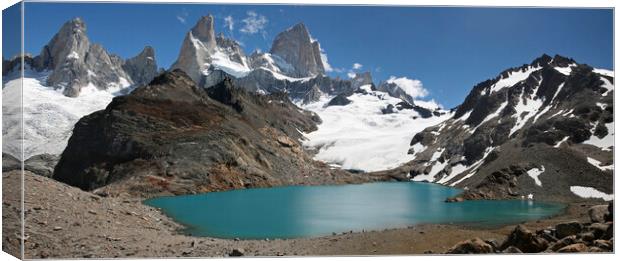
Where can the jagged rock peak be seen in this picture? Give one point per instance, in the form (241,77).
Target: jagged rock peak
(142,68)
(296,47)
(556,60)
(203,31)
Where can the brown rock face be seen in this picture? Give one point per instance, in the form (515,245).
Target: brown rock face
(472,246)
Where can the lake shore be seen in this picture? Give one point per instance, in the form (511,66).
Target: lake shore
(66,222)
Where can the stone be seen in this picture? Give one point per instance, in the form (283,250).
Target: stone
(569,240)
(610,212)
(524,240)
(237,252)
(598,230)
(472,246)
(597,213)
(567,229)
(578,247)
(603,244)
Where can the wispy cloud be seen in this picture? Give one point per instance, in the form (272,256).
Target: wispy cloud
(254,23)
(182,17)
(413,87)
(229,22)
(354,69)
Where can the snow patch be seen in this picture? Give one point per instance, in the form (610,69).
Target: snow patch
(604,143)
(534,173)
(525,109)
(513,78)
(605,72)
(588,192)
(597,164)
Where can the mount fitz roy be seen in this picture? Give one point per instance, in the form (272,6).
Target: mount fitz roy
(544,128)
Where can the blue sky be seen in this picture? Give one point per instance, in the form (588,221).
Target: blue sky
(448,49)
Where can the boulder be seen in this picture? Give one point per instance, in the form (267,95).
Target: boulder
(603,244)
(524,240)
(610,212)
(598,230)
(237,252)
(472,246)
(569,240)
(597,213)
(574,248)
(567,229)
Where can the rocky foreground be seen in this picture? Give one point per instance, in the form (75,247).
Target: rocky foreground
(66,222)
(597,235)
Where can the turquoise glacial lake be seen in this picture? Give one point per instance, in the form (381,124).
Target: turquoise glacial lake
(306,211)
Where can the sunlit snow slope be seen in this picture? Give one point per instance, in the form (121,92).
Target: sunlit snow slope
(49,116)
(359,136)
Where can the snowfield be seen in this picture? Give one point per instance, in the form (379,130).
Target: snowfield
(359,136)
(588,192)
(49,116)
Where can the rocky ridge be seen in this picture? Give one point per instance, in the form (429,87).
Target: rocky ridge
(547,122)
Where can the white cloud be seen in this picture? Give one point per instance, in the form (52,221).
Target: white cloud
(351,75)
(413,88)
(432,104)
(357,66)
(229,22)
(181,19)
(254,23)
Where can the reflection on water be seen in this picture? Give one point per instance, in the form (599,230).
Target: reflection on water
(300,211)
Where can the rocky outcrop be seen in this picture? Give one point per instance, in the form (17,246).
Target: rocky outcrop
(297,48)
(339,100)
(172,137)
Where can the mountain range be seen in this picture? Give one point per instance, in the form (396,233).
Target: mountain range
(220,119)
